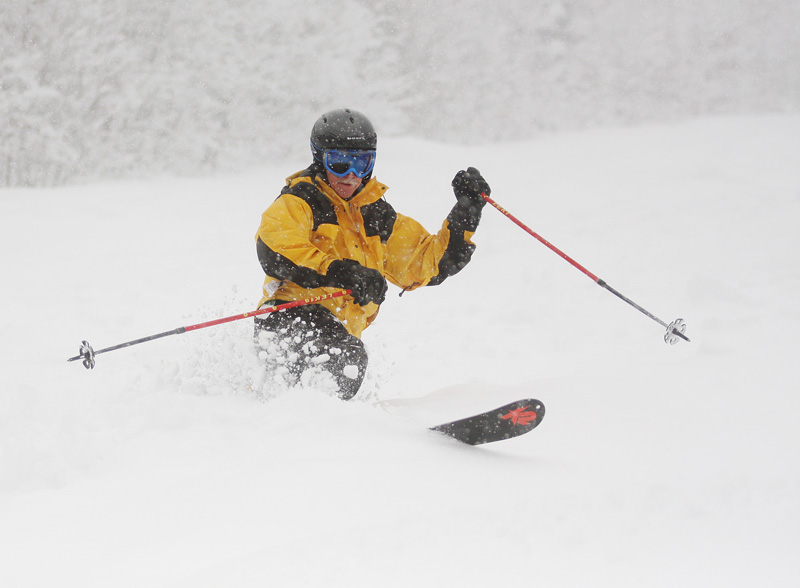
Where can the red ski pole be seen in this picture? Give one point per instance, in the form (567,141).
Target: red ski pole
(675,329)
(87,354)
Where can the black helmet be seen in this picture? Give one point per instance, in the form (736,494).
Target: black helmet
(342,129)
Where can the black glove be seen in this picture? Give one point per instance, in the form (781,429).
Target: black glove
(366,284)
(468,186)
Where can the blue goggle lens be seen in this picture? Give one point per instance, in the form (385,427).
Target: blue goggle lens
(341,163)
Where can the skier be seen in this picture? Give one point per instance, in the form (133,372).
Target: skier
(331,229)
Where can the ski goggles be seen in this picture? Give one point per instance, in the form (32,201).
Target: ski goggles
(341,163)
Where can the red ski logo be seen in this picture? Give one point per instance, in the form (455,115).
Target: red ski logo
(520,416)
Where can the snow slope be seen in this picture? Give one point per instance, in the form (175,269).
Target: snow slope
(174,464)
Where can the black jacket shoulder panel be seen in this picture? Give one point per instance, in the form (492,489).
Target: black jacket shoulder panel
(379,218)
(321,207)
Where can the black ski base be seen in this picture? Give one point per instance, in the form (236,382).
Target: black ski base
(505,422)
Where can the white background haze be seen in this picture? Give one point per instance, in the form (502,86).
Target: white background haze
(110,88)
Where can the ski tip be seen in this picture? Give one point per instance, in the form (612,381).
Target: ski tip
(505,422)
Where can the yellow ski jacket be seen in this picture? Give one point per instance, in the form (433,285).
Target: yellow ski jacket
(309,226)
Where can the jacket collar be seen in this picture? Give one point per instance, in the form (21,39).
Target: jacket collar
(370,192)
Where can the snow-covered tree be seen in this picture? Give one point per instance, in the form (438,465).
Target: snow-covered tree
(104,88)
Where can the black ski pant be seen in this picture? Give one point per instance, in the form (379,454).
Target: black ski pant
(311,337)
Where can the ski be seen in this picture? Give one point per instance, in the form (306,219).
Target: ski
(508,421)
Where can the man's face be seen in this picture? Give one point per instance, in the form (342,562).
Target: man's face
(346,186)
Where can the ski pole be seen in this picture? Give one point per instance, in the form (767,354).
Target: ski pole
(675,329)
(87,354)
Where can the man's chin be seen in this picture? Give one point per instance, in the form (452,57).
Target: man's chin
(347,191)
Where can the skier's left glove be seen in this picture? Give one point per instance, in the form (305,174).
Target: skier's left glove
(468,185)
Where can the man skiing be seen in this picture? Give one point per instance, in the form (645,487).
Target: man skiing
(331,229)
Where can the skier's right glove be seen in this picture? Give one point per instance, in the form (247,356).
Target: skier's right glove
(366,284)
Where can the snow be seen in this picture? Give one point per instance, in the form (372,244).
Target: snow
(175,463)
